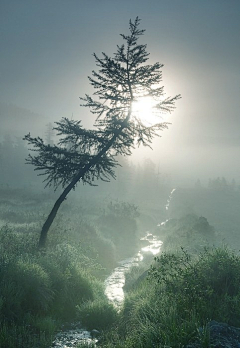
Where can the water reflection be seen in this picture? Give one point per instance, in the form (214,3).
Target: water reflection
(115,282)
(71,338)
(113,287)
(153,246)
(113,290)
(169,199)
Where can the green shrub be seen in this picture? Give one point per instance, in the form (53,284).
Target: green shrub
(105,252)
(14,243)
(44,324)
(72,288)
(41,290)
(118,224)
(23,336)
(53,282)
(208,285)
(83,243)
(70,283)
(191,232)
(25,288)
(98,314)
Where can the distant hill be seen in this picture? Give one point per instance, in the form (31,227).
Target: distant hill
(18,121)
(220,206)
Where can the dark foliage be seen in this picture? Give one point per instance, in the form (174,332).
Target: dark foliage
(88,155)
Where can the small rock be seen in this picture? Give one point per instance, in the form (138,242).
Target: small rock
(221,336)
(95,333)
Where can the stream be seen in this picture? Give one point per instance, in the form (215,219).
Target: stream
(113,289)
(115,282)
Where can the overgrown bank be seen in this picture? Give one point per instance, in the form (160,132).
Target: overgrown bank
(168,306)
(184,294)
(40,291)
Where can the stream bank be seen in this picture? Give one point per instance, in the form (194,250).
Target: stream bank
(114,284)
(114,288)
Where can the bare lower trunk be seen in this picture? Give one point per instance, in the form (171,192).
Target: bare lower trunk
(53,213)
(48,222)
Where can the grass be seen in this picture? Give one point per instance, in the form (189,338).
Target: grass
(170,307)
(41,291)
(98,314)
(182,293)
(13,336)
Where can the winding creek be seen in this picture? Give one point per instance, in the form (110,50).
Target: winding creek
(113,289)
(115,282)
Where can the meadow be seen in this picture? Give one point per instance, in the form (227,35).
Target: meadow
(169,299)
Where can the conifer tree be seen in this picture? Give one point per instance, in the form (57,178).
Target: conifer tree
(86,155)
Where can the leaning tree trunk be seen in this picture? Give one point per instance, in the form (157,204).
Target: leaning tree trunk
(47,224)
(72,184)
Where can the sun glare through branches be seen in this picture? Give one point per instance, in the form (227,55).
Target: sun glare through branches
(147,110)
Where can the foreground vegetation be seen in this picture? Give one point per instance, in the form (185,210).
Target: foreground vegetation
(41,291)
(182,293)
(183,290)
(167,305)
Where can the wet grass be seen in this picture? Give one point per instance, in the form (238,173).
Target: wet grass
(41,291)
(182,293)
(169,306)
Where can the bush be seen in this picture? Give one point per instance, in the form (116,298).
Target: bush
(39,291)
(72,288)
(98,314)
(71,284)
(191,232)
(208,285)
(23,336)
(118,224)
(40,284)
(25,288)
(14,243)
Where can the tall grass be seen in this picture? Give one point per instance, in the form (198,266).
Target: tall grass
(39,291)
(98,314)
(180,296)
(170,307)
(24,336)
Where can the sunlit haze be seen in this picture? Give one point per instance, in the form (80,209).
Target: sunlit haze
(119,173)
(46,56)
(144,108)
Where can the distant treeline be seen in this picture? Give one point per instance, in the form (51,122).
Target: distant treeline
(13,171)
(220,184)
(132,180)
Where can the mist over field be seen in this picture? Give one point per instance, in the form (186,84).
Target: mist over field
(47,56)
(119,199)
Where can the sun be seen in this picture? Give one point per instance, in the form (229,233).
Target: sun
(145,108)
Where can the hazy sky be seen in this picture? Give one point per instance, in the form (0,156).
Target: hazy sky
(46,56)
